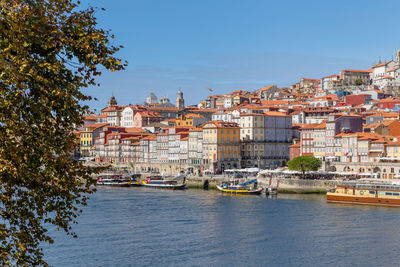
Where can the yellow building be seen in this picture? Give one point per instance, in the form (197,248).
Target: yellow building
(393,149)
(87,137)
(221,148)
(190,120)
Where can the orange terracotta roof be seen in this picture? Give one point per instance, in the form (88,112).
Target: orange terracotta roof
(222,124)
(296,145)
(134,130)
(380,64)
(193,115)
(197,129)
(95,126)
(150,137)
(89,117)
(330,76)
(276,114)
(369,71)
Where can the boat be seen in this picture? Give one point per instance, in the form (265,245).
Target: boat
(161,182)
(113,182)
(243,188)
(117,180)
(372,193)
(270,190)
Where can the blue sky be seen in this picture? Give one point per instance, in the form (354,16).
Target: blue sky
(229,45)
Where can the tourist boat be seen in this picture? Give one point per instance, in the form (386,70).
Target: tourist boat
(243,188)
(161,182)
(113,182)
(373,193)
(117,180)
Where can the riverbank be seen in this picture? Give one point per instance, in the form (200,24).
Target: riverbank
(294,186)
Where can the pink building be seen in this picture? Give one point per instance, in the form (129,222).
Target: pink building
(144,118)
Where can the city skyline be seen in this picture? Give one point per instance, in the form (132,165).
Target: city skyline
(168,45)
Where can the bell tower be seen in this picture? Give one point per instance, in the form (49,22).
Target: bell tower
(180,102)
(398,57)
(112,101)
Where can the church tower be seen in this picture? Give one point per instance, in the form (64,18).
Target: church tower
(398,57)
(180,102)
(112,101)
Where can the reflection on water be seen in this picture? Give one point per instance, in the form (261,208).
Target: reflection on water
(137,226)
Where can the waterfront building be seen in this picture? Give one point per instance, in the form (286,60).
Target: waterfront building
(145,149)
(184,150)
(102,141)
(338,123)
(175,137)
(294,150)
(393,149)
(319,139)
(87,138)
(307,140)
(153,149)
(195,147)
(221,148)
(162,146)
(265,139)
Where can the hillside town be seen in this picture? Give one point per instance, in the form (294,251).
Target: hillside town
(348,120)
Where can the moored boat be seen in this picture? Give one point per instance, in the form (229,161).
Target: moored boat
(113,182)
(371,193)
(117,180)
(159,182)
(243,188)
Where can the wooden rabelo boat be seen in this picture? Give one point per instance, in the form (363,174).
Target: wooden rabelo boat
(243,188)
(160,182)
(372,193)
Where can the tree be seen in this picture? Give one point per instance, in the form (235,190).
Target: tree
(358,82)
(49,50)
(304,163)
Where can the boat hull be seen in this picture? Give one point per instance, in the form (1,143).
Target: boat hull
(240,191)
(331,197)
(165,186)
(116,185)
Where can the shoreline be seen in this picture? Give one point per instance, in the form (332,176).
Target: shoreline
(287,186)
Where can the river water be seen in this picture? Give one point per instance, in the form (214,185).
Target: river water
(148,227)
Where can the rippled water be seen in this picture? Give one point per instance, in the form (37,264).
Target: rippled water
(147,227)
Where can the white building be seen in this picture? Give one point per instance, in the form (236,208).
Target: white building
(265,139)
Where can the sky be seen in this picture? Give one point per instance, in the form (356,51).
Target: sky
(228,45)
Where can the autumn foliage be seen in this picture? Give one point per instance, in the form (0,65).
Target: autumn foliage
(49,50)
